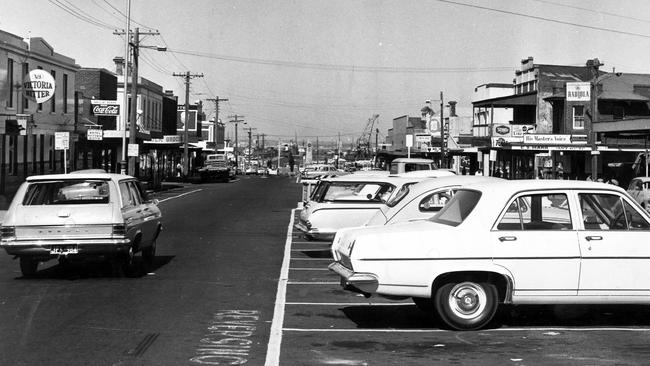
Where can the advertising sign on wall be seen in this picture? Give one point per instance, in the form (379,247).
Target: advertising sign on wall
(578,92)
(39,86)
(105,107)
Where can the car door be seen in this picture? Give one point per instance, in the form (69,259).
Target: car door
(148,211)
(615,246)
(131,210)
(536,241)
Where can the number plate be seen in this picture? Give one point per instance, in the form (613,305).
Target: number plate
(64,249)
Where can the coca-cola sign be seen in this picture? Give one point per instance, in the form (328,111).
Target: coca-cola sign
(105,107)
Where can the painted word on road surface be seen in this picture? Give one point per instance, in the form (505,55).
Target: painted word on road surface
(227,340)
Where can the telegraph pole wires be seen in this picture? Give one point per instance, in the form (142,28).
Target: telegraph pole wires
(188,77)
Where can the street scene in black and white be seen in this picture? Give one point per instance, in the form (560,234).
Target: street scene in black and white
(435,182)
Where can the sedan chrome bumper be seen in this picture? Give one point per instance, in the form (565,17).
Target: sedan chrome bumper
(46,248)
(314,234)
(365,283)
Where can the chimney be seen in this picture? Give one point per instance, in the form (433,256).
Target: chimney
(119,65)
(452,108)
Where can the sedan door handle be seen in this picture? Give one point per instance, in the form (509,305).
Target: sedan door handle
(507,238)
(590,238)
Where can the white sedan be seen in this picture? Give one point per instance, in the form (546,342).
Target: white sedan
(351,200)
(516,242)
(422,200)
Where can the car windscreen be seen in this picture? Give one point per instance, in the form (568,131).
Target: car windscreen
(66,192)
(357,191)
(457,210)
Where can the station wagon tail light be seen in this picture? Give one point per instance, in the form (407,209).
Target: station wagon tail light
(308,224)
(8,232)
(119,229)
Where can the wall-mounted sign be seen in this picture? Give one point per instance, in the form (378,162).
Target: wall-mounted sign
(94,134)
(548,139)
(105,108)
(578,92)
(503,129)
(133,150)
(39,86)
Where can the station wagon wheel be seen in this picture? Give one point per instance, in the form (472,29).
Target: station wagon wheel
(466,305)
(28,266)
(123,264)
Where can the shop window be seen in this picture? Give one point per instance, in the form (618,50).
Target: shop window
(578,117)
(10,82)
(65,93)
(53,100)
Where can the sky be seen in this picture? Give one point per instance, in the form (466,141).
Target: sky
(321,69)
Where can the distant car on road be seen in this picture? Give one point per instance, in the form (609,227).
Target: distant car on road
(511,242)
(81,215)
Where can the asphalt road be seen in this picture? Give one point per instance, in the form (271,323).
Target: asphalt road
(234,284)
(210,297)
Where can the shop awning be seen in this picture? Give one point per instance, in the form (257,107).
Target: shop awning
(509,101)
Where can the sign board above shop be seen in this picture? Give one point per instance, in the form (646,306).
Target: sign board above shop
(105,108)
(548,139)
(39,86)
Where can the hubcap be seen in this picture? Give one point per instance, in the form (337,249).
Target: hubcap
(467,300)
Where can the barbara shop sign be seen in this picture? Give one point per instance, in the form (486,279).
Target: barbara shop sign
(105,107)
(39,86)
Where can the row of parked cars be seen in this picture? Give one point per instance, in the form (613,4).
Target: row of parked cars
(460,246)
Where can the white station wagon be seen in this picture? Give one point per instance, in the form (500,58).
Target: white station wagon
(514,242)
(75,216)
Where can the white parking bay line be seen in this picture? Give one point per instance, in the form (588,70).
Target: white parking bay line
(313,283)
(309,269)
(275,338)
(499,330)
(350,304)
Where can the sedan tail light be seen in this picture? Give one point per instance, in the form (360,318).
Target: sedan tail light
(119,229)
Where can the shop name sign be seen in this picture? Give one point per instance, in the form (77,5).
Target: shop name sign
(39,86)
(105,107)
(555,139)
(578,92)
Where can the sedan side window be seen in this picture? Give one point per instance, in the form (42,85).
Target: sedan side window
(537,212)
(610,212)
(434,202)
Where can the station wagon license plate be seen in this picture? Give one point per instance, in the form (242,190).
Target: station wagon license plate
(64,249)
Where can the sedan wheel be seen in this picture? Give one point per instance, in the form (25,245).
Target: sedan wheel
(466,305)
(28,266)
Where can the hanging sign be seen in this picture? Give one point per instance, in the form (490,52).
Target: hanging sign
(39,86)
(94,134)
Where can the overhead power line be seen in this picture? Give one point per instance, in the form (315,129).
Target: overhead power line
(545,19)
(334,67)
(70,9)
(593,11)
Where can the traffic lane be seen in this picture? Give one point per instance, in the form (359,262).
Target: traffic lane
(204,281)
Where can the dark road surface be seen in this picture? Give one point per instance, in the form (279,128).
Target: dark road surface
(213,288)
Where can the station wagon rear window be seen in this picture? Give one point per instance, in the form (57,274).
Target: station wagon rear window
(67,192)
(356,191)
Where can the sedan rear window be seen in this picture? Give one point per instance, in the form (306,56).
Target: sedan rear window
(457,210)
(66,192)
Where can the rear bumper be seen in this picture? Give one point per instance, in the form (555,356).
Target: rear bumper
(365,283)
(314,234)
(85,247)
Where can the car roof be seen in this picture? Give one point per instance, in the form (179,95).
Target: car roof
(447,181)
(412,160)
(643,179)
(370,178)
(432,173)
(79,175)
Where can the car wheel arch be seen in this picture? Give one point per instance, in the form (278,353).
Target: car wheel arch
(503,282)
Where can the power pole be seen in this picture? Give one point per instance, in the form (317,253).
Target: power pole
(135,47)
(188,76)
(250,130)
(443,138)
(236,120)
(216,101)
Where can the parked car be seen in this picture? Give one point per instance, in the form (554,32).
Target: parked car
(512,242)
(403,165)
(422,200)
(316,171)
(639,189)
(347,201)
(81,215)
